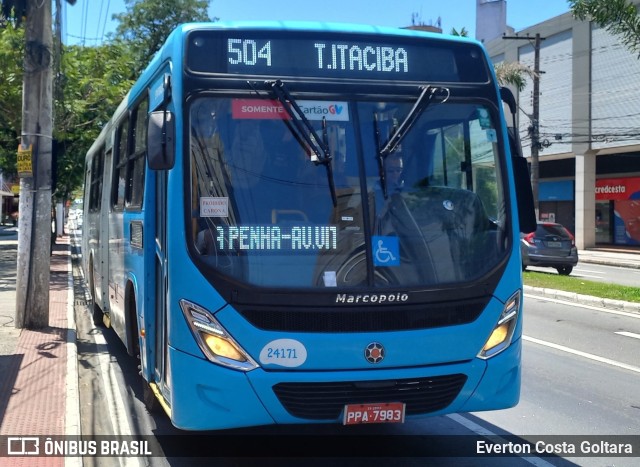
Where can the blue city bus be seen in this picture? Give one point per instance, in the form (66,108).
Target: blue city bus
(295,223)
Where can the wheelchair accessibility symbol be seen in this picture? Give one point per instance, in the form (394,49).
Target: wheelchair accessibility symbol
(386,251)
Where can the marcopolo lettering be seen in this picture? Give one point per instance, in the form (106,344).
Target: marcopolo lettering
(378,298)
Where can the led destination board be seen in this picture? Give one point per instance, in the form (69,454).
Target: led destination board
(277,238)
(250,53)
(332,55)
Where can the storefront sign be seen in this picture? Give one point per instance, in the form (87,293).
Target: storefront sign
(625,192)
(608,189)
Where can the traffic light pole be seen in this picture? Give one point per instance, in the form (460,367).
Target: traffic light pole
(34,229)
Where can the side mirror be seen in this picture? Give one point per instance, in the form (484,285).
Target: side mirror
(524,195)
(160,140)
(508,98)
(521,176)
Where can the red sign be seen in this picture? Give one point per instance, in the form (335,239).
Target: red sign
(617,188)
(258,109)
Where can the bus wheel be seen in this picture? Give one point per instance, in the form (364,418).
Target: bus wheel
(97,315)
(150,400)
(96,312)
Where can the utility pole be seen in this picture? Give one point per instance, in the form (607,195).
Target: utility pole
(535,117)
(535,134)
(34,167)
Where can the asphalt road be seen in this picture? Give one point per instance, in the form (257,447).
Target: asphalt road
(580,375)
(580,379)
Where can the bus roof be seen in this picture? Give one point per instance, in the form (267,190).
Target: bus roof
(318,26)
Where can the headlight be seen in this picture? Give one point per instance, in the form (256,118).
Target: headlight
(214,341)
(501,335)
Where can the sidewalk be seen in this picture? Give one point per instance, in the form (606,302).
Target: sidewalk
(611,256)
(39,382)
(39,385)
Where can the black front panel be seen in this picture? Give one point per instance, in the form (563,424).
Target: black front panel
(325,401)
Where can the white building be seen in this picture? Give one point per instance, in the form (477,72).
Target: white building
(589,126)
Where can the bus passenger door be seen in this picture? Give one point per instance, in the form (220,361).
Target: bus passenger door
(160,157)
(161,283)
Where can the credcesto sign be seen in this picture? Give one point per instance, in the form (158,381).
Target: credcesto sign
(617,189)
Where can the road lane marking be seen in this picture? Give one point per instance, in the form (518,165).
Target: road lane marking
(116,406)
(482,431)
(583,354)
(566,301)
(72,397)
(592,276)
(628,334)
(581,270)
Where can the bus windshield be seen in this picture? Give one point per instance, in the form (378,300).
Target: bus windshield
(428,211)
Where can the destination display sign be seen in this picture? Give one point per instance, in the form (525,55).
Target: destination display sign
(277,238)
(335,55)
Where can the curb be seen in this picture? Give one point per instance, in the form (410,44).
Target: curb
(608,303)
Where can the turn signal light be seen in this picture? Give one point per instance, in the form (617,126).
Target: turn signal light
(500,337)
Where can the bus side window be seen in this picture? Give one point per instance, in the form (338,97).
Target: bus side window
(97,166)
(120,164)
(136,156)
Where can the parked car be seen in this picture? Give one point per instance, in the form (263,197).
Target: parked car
(551,245)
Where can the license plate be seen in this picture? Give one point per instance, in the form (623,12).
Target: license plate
(554,244)
(386,412)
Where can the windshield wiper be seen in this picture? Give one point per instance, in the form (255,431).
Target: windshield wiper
(303,131)
(380,159)
(427,96)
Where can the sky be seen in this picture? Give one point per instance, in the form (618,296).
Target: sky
(89,21)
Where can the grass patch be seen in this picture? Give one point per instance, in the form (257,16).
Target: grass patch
(581,286)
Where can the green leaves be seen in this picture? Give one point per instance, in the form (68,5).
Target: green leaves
(11,57)
(147,23)
(619,17)
(93,81)
(513,73)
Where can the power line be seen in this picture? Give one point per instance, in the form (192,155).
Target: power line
(85,20)
(106,18)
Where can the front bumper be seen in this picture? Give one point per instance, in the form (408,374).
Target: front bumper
(206,396)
